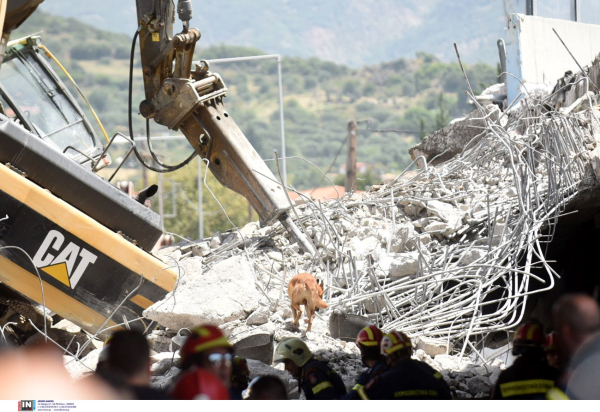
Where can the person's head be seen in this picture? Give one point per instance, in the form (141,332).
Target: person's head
(208,348)
(396,346)
(529,339)
(576,317)
(126,357)
(266,388)
(369,343)
(294,354)
(239,373)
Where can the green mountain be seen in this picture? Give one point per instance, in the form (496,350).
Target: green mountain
(403,98)
(352,32)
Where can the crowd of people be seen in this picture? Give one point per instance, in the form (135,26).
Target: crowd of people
(564,364)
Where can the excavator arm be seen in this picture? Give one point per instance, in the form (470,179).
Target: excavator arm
(192,101)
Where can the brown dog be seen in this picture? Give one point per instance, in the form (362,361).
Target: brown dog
(304,289)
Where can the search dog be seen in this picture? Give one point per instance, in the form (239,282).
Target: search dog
(305,290)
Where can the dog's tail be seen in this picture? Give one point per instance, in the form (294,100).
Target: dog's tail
(321,304)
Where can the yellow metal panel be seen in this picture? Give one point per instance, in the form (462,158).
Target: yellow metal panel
(142,301)
(87,229)
(69,308)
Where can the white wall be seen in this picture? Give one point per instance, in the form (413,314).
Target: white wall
(536,55)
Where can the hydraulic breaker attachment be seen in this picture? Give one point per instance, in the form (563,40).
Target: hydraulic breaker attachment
(192,101)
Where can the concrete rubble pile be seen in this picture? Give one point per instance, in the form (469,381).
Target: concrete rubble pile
(444,253)
(423,253)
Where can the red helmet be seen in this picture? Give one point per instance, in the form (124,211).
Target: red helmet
(394,341)
(199,384)
(530,334)
(551,341)
(369,336)
(203,338)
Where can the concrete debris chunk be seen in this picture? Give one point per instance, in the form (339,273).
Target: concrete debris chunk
(404,264)
(67,326)
(363,247)
(405,232)
(472,255)
(259,317)
(224,293)
(201,249)
(479,384)
(215,241)
(87,365)
(432,347)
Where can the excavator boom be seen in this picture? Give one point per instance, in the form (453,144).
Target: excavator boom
(192,101)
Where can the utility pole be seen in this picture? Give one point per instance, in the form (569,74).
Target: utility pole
(351,159)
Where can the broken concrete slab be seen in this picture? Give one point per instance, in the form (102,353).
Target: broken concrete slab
(452,139)
(224,293)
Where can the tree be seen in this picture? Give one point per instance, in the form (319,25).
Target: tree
(422,132)
(441,118)
(185,223)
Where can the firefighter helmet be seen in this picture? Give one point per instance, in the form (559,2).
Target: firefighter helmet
(369,336)
(293,349)
(530,334)
(203,338)
(393,342)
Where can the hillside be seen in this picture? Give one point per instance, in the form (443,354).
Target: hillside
(352,32)
(419,95)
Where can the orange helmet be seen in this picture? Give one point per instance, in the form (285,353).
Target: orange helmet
(203,338)
(530,334)
(551,342)
(199,384)
(393,342)
(369,336)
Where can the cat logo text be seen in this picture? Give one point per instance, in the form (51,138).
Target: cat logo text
(64,261)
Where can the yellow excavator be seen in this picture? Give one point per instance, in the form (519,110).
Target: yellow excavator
(71,243)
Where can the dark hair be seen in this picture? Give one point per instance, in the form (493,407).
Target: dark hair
(127,353)
(370,352)
(267,388)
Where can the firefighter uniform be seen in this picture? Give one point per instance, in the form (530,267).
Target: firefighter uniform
(530,376)
(365,377)
(527,378)
(320,382)
(408,379)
